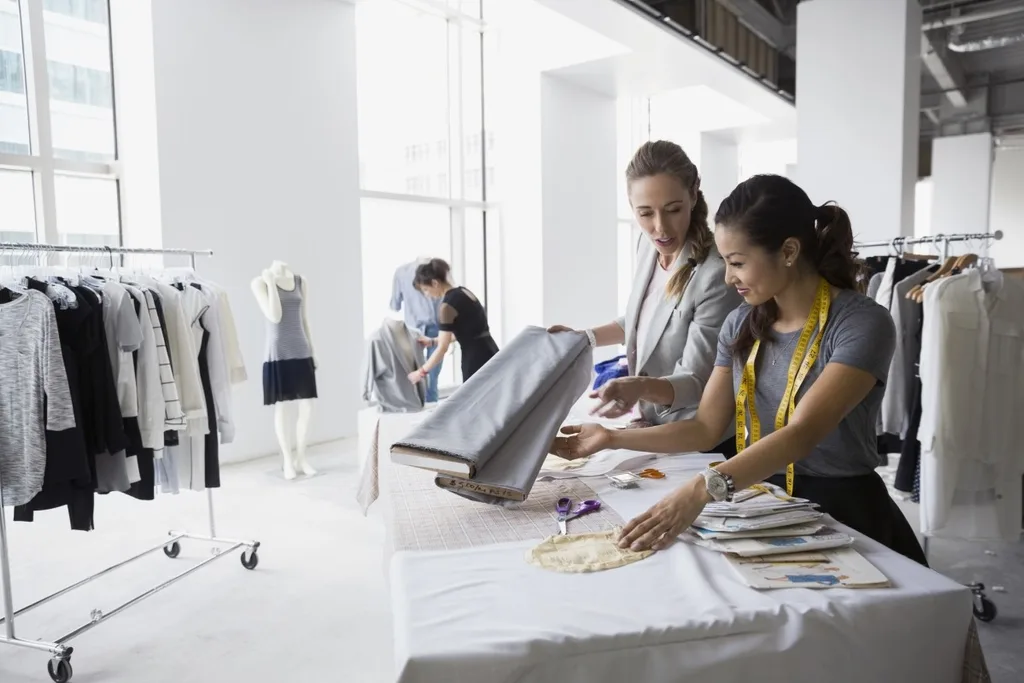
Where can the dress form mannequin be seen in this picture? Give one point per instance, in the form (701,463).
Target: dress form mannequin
(290,385)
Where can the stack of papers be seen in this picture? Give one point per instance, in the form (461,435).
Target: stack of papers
(774,540)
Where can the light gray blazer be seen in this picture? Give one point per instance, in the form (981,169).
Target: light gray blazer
(687,330)
(391,354)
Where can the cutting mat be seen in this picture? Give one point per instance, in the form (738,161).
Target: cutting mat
(425,517)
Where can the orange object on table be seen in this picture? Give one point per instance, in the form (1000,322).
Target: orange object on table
(651,473)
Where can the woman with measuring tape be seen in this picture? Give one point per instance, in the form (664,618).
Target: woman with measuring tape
(801,368)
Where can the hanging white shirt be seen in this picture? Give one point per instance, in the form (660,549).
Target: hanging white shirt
(654,295)
(972,379)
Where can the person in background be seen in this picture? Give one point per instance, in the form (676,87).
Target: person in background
(461,317)
(679,299)
(420,313)
(803,332)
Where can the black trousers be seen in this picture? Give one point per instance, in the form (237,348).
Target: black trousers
(862,503)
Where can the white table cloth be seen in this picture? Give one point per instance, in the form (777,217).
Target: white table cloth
(484,614)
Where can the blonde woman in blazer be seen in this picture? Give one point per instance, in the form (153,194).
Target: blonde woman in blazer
(679,298)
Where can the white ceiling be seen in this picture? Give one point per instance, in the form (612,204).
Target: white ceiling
(648,60)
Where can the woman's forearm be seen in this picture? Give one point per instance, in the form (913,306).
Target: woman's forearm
(657,390)
(437,356)
(768,456)
(609,335)
(677,437)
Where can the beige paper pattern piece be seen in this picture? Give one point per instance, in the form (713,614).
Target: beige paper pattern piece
(580,553)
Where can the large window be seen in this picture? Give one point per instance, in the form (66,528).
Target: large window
(426,151)
(58,176)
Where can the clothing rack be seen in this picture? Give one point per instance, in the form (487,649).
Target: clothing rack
(898,243)
(59,666)
(984,608)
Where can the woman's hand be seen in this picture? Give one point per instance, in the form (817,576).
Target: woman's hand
(618,396)
(560,328)
(425,341)
(583,440)
(672,515)
(416,376)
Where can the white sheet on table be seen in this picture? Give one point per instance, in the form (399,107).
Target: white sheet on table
(600,464)
(486,615)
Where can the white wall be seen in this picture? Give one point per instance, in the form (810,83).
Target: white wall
(1007,207)
(257,138)
(858,79)
(961,183)
(579,200)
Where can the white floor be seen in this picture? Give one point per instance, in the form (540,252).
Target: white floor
(316,608)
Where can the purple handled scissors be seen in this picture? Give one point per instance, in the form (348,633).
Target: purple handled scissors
(566,511)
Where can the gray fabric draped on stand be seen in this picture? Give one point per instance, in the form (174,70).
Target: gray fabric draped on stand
(502,421)
(390,356)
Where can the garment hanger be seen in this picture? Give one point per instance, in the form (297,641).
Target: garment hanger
(917,293)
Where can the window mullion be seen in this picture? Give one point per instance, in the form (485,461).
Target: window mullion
(37,83)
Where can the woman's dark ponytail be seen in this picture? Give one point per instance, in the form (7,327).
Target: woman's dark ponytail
(834,258)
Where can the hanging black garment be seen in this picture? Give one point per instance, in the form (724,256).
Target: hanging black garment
(212,447)
(876,264)
(67,480)
(100,406)
(910,455)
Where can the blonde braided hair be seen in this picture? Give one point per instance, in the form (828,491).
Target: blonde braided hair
(664,157)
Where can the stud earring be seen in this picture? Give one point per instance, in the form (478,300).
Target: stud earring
(789,263)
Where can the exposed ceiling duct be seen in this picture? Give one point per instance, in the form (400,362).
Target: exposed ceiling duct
(961,19)
(990,43)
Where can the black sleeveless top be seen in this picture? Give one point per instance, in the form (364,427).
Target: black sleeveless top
(464,316)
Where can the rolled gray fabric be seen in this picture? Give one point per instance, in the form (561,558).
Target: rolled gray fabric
(510,473)
(468,429)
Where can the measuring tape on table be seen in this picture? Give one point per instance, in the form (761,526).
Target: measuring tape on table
(804,355)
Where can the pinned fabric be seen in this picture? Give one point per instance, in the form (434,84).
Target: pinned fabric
(581,553)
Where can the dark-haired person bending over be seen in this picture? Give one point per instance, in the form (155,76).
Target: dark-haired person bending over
(793,265)
(461,317)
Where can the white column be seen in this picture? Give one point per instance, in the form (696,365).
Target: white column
(961,183)
(579,204)
(719,170)
(1008,206)
(257,137)
(858,99)
(558,230)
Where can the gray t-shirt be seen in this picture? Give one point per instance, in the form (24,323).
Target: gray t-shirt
(859,333)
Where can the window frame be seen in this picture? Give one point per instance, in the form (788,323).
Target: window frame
(458,23)
(41,160)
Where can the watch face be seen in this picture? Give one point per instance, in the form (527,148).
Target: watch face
(717,487)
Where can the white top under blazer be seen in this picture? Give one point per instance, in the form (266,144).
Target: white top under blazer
(680,338)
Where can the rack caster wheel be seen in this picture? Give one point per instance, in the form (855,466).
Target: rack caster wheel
(60,670)
(172,550)
(252,560)
(985,609)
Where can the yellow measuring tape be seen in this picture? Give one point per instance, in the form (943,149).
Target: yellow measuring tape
(803,359)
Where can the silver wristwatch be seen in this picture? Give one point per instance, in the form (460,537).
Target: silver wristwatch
(591,337)
(719,486)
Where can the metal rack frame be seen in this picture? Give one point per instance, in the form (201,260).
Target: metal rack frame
(59,666)
(898,243)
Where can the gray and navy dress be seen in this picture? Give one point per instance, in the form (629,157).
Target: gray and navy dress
(288,370)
